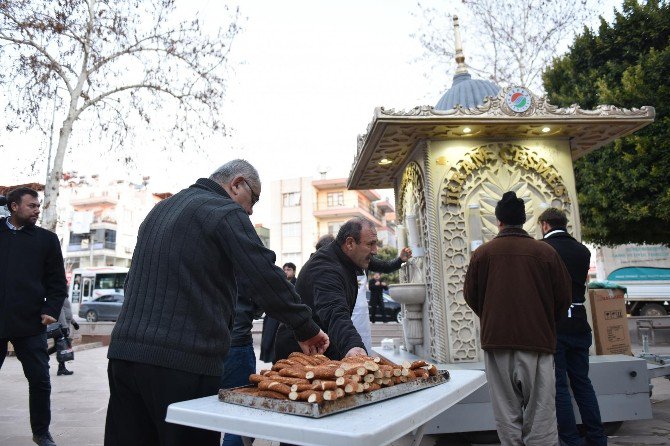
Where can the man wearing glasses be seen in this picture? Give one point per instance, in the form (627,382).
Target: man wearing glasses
(173,332)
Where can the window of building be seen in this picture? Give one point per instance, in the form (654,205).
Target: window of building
(110,236)
(291,199)
(293,257)
(334,227)
(335,199)
(291,229)
(75,239)
(110,281)
(373,210)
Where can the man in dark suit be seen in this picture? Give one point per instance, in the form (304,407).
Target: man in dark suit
(31,297)
(328,284)
(573,339)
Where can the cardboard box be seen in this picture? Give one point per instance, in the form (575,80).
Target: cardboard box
(610,323)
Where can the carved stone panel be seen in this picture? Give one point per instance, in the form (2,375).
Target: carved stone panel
(470,189)
(411,208)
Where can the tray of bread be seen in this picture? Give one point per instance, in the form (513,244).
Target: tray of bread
(315,386)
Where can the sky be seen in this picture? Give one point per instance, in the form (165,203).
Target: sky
(306,76)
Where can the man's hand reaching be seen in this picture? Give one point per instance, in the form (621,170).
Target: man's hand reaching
(356,351)
(405,254)
(316,345)
(46,319)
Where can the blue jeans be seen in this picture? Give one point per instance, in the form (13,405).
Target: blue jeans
(572,361)
(31,351)
(238,365)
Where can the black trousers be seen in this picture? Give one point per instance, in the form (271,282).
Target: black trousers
(32,352)
(377,303)
(139,395)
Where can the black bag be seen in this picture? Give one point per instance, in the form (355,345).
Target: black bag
(64,350)
(55,333)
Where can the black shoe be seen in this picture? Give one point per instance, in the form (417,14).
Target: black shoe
(64,371)
(44,440)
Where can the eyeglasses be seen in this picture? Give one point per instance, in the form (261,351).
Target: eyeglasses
(254,196)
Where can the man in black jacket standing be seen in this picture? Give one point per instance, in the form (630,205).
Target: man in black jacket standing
(573,339)
(32,291)
(328,284)
(377,288)
(173,332)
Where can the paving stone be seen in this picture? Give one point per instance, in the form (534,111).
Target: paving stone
(79,406)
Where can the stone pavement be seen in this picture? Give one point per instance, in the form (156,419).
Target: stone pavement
(79,404)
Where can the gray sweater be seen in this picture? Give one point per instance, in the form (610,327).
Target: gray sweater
(180,292)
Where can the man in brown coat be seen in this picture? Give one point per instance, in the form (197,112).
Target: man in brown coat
(518,287)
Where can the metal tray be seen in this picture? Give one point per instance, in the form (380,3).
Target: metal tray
(315,410)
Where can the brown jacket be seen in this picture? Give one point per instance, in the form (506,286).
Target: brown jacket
(518,287)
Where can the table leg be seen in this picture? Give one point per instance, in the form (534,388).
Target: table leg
(418,435)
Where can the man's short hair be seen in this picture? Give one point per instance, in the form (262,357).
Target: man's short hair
(324,240)
(353,228)
(237,167)
(555,217)
(289,265)
(15,196)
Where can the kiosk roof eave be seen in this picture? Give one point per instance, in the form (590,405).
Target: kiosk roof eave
(392,136)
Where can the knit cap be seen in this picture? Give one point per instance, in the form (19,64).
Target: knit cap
(510,210)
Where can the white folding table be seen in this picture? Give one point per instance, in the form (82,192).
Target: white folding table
(373,425)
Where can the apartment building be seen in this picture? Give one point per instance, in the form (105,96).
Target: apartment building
(293,229)
(104,219)
(303,209)
(98,219)
(263,234)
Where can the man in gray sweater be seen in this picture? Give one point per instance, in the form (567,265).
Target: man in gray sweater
(173,332)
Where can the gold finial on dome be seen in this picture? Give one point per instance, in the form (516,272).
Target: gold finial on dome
(460,57)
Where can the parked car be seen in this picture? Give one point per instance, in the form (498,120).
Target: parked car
(104,308)
(391,308)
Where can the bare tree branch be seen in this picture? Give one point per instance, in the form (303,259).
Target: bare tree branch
(119,58)
(56,66)
(514,41)
(93,102)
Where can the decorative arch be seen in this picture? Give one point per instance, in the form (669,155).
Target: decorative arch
(412,199)
(469,193)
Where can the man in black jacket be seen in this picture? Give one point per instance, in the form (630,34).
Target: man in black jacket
(32,291)
(328,284)
(377,288)
(271,325)
(361,315)
(173,332)
(573,339)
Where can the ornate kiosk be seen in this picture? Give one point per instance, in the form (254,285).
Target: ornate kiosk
(449,165)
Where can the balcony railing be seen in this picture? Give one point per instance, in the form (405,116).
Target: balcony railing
(86,247)
(93,199)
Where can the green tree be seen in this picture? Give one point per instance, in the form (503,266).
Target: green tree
(388,253)
(624,187)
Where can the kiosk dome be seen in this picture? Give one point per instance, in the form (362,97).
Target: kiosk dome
(465,91)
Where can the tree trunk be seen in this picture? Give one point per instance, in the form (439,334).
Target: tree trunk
(52,186)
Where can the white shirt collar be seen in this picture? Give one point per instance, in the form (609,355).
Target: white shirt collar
(11,226)
(550,233)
